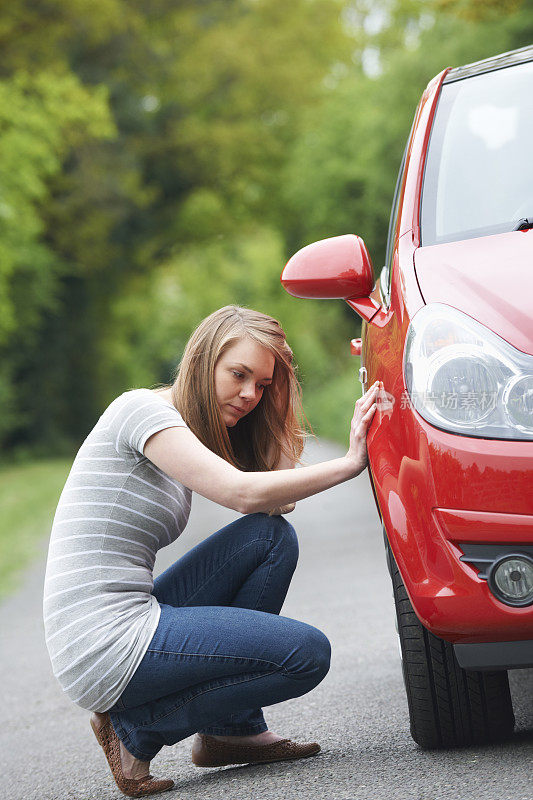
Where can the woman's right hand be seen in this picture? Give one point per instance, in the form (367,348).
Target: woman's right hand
(363,414)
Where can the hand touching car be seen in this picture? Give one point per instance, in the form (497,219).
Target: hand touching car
(363,414)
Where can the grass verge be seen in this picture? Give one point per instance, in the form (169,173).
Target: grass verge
(28,498)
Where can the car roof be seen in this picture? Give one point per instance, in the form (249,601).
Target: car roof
(508,59)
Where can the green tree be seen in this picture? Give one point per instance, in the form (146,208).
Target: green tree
(42,117)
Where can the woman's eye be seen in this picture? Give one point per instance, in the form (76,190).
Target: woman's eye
(238,374)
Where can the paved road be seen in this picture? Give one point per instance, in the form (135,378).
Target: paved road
(358,713)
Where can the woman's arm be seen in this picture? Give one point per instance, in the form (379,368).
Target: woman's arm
(284,463)
(183,457)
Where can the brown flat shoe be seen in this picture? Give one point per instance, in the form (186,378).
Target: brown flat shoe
(210,752)
(132,787)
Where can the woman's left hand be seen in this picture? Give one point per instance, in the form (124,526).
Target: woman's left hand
(276,512)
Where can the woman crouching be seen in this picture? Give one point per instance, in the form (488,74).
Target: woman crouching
(202,648)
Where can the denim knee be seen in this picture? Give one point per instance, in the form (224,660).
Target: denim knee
(288,539)
(321,650)
(310,659)
(284,536)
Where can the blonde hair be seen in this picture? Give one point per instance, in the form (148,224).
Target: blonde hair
(276,425)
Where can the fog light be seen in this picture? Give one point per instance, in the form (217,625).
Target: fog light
(511,579)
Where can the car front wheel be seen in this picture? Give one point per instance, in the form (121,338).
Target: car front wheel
(448,706)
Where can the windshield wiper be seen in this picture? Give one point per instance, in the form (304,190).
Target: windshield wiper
(524,224)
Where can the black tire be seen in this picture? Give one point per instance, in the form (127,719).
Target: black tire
(448,706)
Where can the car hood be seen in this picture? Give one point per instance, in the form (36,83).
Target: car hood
(490,279)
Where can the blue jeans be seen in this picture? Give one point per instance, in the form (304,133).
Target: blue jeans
(221,651)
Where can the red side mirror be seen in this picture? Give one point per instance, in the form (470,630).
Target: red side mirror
(339,267)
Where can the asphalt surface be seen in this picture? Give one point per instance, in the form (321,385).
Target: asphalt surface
(358,713)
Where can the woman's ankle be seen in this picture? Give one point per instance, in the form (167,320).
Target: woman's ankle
(132,767)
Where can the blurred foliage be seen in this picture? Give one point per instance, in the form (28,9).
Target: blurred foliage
(161,159)
(479,9)
(161,309)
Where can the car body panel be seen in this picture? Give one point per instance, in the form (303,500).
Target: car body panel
(489,278)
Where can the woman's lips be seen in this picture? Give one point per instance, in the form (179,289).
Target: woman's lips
(237,410)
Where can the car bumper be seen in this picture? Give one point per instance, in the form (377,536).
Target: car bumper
(495,655)
(438,492)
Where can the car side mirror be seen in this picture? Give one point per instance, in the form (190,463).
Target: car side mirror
(336,268)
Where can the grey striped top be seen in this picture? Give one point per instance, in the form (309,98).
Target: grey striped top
(115,511)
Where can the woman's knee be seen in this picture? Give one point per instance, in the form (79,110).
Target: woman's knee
(284,536)
(310,659)
(288,539)
(320,647)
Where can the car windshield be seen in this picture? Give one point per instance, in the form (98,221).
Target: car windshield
(479,170)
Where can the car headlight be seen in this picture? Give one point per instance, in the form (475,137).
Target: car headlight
(463,378)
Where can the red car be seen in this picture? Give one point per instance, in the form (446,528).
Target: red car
(448,328)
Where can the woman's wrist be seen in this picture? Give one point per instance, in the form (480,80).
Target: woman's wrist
(353,465)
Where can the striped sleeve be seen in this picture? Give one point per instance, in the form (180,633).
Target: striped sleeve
(141,414)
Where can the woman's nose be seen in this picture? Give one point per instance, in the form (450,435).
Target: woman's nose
(248,391)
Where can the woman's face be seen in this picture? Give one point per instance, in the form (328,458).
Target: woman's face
(241,375)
